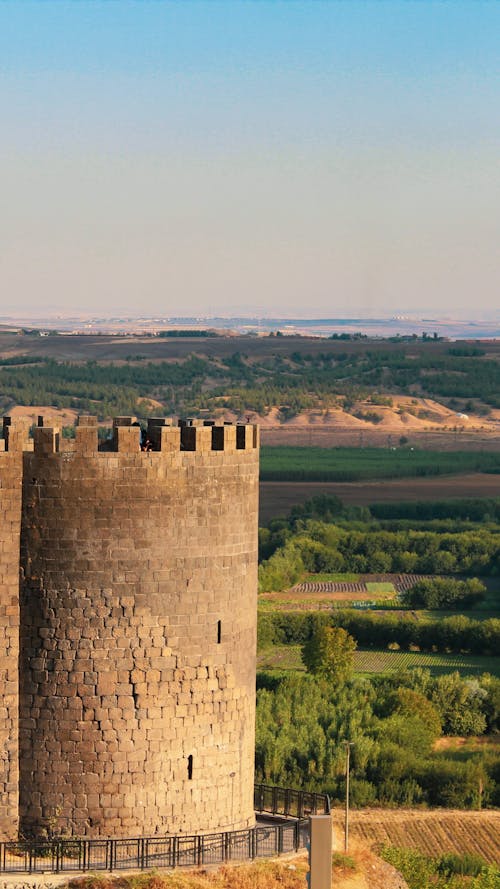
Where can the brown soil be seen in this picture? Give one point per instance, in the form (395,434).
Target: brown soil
(456,742)
(277,498)
(63,417)
(431,831)
(366,435)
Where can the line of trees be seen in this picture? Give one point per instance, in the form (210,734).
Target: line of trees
(296,381)
(444,592)
(318,547)
(371,629)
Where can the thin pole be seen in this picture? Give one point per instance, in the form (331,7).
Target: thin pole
(347,769)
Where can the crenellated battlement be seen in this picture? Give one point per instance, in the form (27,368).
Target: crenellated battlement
(128,580)
(163,436)
(16,435)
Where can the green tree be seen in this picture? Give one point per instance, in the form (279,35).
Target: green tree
(329,653)
(460,703)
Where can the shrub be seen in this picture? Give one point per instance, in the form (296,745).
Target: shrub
(468,865)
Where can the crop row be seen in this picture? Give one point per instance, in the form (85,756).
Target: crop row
(288,657)
(355,464)
(432,833)
(380,661)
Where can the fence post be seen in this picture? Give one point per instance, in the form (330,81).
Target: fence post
(280,840)
(287,802)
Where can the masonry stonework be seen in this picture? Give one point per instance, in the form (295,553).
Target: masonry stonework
(138,629)
(11,461)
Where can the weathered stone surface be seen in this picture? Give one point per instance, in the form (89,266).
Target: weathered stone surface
(11,463)
(138,626)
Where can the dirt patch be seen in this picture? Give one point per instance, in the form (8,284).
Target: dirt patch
(52,415)
(366,435)
(457,743)
(373,873)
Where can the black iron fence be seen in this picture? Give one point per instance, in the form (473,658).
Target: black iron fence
(143,853)
(291,803)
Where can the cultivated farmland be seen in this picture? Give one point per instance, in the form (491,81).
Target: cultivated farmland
(277,498)
(357,464)
(431,832)
(288,657)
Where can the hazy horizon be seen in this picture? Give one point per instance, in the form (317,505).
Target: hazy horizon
(250,158)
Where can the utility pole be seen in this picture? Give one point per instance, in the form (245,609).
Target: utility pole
(348,745)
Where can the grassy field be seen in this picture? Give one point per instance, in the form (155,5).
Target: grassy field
(378,587)
(288,657)
(351,464)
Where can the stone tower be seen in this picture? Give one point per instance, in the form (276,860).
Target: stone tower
(138,628)
(11,464)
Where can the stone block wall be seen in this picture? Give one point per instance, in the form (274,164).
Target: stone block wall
(138,631)
(11,457)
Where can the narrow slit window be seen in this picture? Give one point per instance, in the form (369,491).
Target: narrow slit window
(190,767)
(219,632)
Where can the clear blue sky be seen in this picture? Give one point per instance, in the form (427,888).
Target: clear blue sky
(300,158)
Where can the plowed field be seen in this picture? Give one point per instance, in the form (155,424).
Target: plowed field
(277,498)
(432,832)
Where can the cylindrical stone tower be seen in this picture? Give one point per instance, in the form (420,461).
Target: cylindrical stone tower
(11,467)
(138,616)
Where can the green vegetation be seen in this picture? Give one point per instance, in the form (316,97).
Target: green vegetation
(443,872)
(106,390)
(339,375)
(415,675)
(393,723)
(318,547)
(376,629)
(472,509)
(396,661)
(384,661)
(359,464)
(329,653)
(377,587)
(322,537)
(441,592)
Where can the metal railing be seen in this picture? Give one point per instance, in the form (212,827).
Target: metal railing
(66,855)
(291,803)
